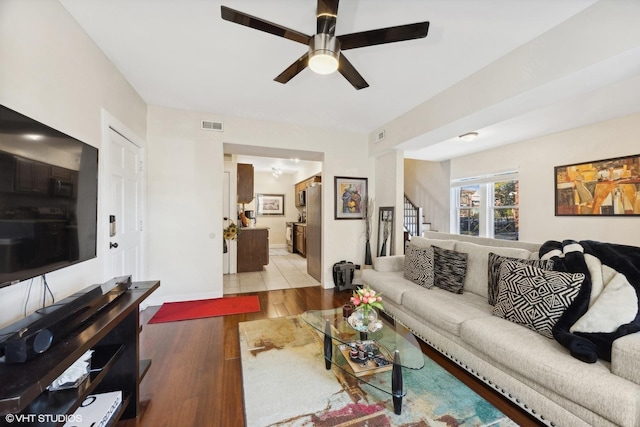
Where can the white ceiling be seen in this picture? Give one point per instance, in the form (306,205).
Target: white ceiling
(181,54)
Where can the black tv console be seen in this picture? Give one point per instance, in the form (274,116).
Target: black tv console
(112,334)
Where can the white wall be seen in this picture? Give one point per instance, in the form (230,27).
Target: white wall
(184,205)
(185,195)
(389,191)
(427,185)
(536,159)
(51,71)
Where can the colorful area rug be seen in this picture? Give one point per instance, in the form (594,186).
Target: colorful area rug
(286,384)
(199,309)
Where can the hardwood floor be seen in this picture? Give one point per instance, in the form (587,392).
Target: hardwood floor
(196,378)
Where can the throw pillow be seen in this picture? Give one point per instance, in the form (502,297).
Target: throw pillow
(418,265)
(494,263)
(449,269)
(533,297)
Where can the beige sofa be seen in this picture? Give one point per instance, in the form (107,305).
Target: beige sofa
(535,372)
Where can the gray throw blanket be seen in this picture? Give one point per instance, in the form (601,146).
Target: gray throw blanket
(606,307)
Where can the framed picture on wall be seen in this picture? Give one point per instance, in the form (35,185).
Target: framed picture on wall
(609,187)
(350,194)
(270,204)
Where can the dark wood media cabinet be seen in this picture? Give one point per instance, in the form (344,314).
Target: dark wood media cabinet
(113,335)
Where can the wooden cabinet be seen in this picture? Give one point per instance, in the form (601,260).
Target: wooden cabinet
(7,172)
(302,186)
(245,183)
(32,177)
(300,236)
(23,175)
(112,334)
(253,249)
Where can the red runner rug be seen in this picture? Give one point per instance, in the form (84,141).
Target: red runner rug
(199,309)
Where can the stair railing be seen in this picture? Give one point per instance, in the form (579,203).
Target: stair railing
(412,217)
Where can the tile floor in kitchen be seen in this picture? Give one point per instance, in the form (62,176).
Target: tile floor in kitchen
(284,271)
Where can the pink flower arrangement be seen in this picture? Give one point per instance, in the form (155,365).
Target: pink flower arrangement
(366,299)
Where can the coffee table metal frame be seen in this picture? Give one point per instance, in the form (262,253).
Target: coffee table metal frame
(393,337)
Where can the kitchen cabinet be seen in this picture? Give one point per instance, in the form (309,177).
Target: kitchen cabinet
(300,233)
(253,249)
(245,183)
(7,172)
(32,177)
(302,186)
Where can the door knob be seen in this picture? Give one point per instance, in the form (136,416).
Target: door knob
(112,245)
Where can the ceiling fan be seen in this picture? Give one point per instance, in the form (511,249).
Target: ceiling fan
(325,48)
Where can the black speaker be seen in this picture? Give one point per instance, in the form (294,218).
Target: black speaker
(36,333)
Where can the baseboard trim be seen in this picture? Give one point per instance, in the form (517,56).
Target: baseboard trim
(159,300)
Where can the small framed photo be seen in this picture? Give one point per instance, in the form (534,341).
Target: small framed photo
(350,195)
(270,204)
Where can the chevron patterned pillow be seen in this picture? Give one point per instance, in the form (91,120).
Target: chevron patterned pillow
(418,265)
(534,297)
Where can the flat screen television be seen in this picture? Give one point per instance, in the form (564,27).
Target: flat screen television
(48,198)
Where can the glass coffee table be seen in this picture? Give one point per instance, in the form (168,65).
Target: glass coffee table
(376,358)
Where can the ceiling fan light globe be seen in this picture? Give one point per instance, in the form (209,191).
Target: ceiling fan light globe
(324,51)
(469,136)
(323,63)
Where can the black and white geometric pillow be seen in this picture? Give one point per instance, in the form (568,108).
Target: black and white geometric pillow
(534,297)
(418,265)
(493,268)
(449,269)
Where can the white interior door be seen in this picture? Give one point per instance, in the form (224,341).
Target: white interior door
(226,256)
(124,207)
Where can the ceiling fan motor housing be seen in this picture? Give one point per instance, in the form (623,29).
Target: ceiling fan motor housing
(324,53)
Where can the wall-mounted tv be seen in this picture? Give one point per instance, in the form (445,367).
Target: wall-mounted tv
(48,198)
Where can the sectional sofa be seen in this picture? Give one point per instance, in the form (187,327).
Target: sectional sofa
(530,369)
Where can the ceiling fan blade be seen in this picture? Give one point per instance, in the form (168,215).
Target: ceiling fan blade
(384,35)
(351,74)
(293,69)
(242,18)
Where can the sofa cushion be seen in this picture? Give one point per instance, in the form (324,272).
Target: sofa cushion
(534,297)
(392,284)
(493,267)
(444,309)
(418,265)
(477,261)
(389,263)
(450,268)
(423,242)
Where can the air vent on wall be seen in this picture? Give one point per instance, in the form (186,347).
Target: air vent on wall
(380,136)
(209,125)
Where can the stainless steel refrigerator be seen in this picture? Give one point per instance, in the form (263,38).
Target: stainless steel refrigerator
(314,231)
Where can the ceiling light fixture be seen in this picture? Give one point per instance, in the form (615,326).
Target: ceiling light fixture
(469,136)
(324,51)
(276,172)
